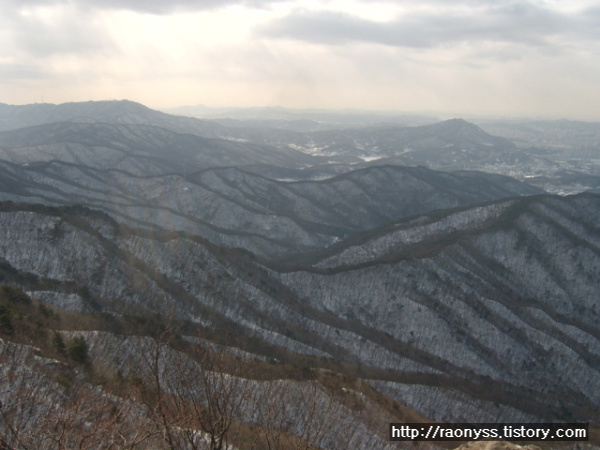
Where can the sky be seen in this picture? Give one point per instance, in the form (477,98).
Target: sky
(499,58)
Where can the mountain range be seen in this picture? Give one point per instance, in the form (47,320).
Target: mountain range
(440,295)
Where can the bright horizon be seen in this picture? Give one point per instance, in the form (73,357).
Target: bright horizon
(522,59)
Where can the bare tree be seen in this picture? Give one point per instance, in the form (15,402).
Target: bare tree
(150,378)
(177,395)
(45,404)
(20,392)
(194,398)
(294,415)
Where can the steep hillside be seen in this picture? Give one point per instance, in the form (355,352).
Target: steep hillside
(451,144)
(368,290)
(487,312)
(139,149)
(269,201)
(144,384)
(238,208)
(558,157)
(512,284)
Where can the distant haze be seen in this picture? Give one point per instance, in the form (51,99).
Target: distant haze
(536,58)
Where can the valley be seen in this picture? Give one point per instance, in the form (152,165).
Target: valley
(383,272)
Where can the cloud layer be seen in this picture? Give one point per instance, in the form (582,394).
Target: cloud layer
(159,7)
(507,57)
(520,23)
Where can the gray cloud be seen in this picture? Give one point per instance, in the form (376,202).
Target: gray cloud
(589,22)
(75,33)
(71,38)
(160,7)
(518,22)
(19,72)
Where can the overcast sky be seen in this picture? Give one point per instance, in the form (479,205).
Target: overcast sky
(471,57)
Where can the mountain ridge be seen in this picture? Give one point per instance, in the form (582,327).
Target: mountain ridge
(226,201)
(470,288)
(455,293)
